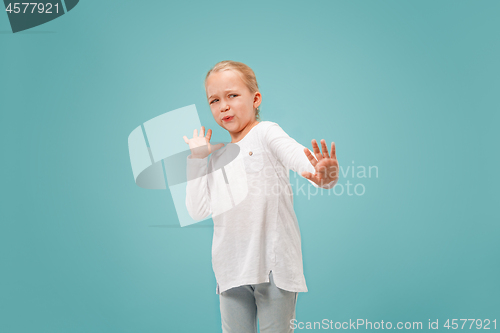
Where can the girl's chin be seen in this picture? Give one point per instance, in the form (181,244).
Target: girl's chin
(229,124)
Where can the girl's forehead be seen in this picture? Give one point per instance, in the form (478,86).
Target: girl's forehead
(224,80)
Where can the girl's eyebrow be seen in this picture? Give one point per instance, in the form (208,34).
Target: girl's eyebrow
(227,90)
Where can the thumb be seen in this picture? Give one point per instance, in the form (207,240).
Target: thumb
(217,147)
(307,175)
(311,177)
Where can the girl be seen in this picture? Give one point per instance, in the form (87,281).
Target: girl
(256,248)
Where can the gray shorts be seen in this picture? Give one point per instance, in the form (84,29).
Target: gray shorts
(241,306)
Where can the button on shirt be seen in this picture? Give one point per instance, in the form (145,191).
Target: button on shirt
(251,203)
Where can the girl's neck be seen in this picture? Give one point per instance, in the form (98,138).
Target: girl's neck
(235,137)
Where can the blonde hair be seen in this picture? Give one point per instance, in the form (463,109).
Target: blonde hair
(245,73)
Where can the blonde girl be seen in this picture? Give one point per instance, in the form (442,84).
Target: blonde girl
(256,248)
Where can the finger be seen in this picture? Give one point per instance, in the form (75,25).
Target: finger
(195,133)
(209,134)
(333,152)
(316,149)
(186,139)
(202,131)
(310,157)
(324,148)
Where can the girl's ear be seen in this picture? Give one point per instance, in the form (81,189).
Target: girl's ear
(257,99)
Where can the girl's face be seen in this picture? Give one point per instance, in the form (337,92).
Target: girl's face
(231,102)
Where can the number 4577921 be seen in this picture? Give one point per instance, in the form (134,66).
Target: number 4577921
(480,324)
(16,8)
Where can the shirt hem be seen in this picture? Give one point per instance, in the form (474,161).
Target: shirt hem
(291,287)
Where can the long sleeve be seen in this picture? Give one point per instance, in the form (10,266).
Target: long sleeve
(197,191)
(290,153)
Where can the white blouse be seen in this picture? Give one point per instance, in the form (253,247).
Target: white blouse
(251,202)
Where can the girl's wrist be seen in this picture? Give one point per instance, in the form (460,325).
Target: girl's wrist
(196,157)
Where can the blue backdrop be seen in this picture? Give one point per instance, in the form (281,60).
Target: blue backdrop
(407,87)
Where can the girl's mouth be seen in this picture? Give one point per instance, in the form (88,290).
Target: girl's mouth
(228,118)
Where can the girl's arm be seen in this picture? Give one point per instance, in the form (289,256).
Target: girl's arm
(197,191)
(292,155)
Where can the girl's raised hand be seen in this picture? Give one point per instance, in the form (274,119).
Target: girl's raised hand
(200,144)
(327,166)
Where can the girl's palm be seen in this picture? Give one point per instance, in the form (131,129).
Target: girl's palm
(200,144)
(327,166)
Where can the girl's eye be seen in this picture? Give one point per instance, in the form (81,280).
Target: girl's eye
(233,95)
(213,101)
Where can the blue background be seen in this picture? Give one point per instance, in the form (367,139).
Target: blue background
(408,86)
